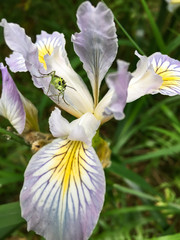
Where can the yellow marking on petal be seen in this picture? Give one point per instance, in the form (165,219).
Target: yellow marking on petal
(175,1)
(66,162)
(169,77)
(42,51)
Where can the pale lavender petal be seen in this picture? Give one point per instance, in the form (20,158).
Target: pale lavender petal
(63,191)
(96,44)
(23,48)
(16,39)
(11,106)
(59,126)
(118,82)
(169,70)
(144,80)
(16,62)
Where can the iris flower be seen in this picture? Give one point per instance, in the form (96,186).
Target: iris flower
(64,186)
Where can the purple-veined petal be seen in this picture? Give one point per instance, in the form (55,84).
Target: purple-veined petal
(169,70)
(96,44)
(52,53)
(16,39)
(16,62)
(144,80)
(25,51)
(11,106)
(63,191)
(46,56)
(118,82)
(82,129)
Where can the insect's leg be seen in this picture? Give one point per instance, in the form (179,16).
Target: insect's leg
(70,87)
(47,74)
(64,99)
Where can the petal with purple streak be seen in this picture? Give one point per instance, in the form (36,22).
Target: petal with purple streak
(16,62)
(63,191)
(118,82)
(11,106)
(169,70)
(96,44)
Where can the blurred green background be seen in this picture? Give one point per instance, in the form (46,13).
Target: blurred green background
(143,182)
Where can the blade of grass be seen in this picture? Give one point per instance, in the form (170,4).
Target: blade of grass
(156,32)
(156,154)
(126,173)
(169,237)
(134,192)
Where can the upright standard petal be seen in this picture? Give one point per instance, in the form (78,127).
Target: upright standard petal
(11,106)
(118,82)
(144,80)
(63,191)
(96,44)
(169,70)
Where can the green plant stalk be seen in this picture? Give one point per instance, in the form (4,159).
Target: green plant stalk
(156,32)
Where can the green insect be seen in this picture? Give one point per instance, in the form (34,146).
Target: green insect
(59,83)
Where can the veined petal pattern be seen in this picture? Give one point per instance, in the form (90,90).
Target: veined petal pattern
(169,70)
(96,44)
(63,192)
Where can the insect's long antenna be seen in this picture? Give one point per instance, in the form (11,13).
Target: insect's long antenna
(70,87)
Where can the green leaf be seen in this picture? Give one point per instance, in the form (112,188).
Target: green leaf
(156,154)
(135,192)
(10,218)
(169,237)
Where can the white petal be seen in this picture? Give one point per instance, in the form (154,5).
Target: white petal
(84,128)
(144,81)
(59,126)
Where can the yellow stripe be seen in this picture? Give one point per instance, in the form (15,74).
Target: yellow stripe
(66,163)
(42,52)
(169,77)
